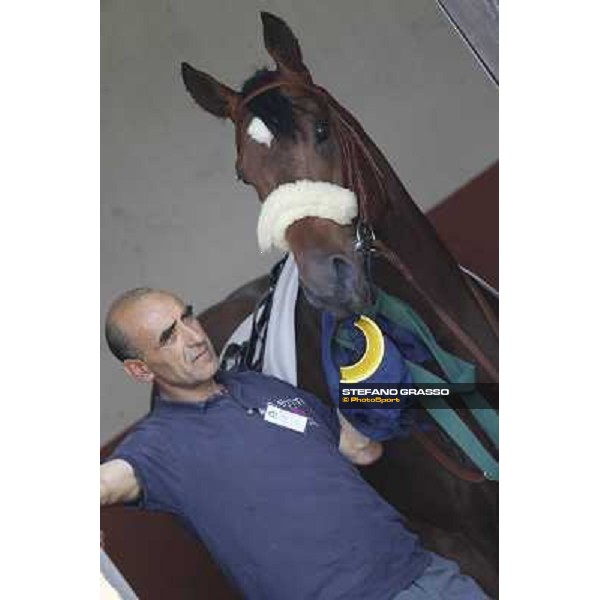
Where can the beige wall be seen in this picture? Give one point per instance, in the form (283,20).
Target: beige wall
(173,215)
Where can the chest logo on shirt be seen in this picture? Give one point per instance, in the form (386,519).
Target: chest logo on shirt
(291,413)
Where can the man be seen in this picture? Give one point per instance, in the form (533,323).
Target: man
(251,465)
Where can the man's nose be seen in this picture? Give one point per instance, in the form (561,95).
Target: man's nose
(192,334)
(239,172)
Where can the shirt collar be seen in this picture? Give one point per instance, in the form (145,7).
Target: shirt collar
(233,391)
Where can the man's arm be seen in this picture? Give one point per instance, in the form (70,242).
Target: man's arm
(118,482)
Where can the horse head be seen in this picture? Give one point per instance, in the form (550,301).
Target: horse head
(330,196)
(297,147)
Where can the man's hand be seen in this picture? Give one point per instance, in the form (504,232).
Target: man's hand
(118,482)
(356,447)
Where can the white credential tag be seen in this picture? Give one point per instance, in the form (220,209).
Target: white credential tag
(285,418)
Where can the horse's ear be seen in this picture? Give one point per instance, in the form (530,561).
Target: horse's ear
(212,96)
(283,47)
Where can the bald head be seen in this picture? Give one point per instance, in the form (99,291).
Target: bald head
(116,331)
(158,339)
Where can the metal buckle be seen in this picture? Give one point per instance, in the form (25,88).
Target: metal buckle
(364,237)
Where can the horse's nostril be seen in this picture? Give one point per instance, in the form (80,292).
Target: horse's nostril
(342,269)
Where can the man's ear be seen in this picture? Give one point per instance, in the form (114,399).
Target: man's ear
(212,95)
(283,47)
(138,369)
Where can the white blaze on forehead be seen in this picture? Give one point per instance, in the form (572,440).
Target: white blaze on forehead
(290,202)
(259,132)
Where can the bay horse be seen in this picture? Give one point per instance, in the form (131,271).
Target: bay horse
(288,130)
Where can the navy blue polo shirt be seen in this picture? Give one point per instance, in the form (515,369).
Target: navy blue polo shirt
(284,514)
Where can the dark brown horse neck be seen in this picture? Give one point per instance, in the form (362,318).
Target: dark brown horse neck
(410,244)
(431,280)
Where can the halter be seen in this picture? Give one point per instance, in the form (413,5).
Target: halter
(355,157)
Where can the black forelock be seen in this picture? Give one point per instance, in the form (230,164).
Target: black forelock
(272,107)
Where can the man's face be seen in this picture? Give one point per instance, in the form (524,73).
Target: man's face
(170,340)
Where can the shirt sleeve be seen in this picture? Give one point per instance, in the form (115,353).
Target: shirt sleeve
(141,449)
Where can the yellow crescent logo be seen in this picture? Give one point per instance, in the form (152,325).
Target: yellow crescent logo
(371,359)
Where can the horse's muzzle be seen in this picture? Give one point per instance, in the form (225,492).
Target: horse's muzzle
(335,283)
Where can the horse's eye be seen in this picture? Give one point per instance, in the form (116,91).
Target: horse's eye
(321,131)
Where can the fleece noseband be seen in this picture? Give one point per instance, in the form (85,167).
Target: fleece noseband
(291,202)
